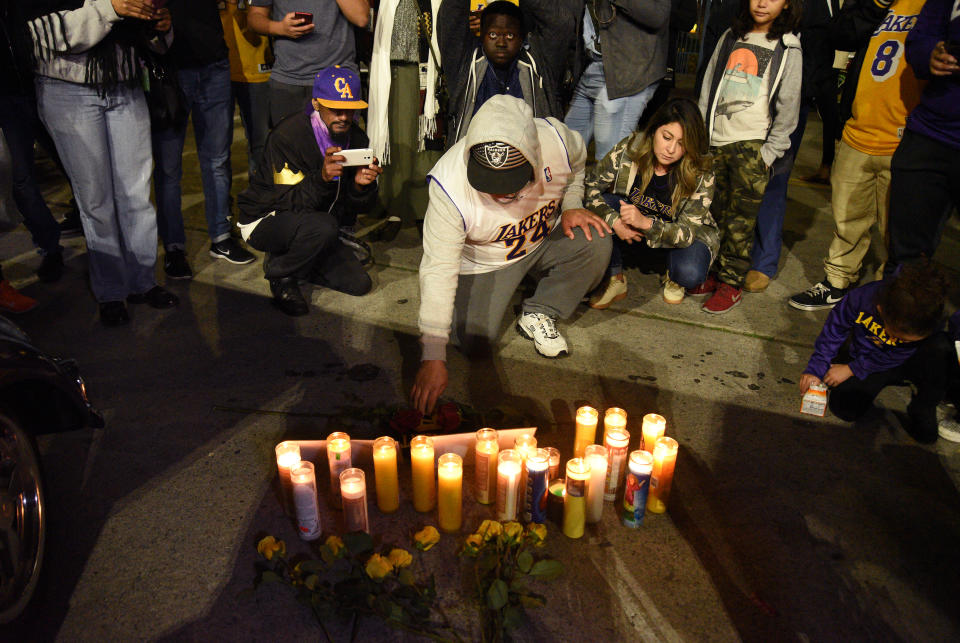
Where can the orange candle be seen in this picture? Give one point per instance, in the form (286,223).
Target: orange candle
(664,462)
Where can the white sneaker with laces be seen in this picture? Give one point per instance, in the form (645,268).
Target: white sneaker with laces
(542,329)
(673,293)
(947,425)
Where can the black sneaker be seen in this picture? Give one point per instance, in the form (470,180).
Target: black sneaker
(232,251)
(51,267)
(287,297)
(818,296)
(176,266)
(71,226)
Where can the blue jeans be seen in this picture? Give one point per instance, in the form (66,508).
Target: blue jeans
(210,102)
(253,100)
(19,121)
(104,143)
(768,238)
(594,115)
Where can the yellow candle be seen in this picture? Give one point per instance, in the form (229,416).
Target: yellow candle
(613,418)
(424,478)
(488,446)
(596,457)
(654,426)
(288,456)
(338,456)
(586,430)
(509,464)
(617,441)
(450,503)
(664,461)
(353,488)
(385,473)
(574,498)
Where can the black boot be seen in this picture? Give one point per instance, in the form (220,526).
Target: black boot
(287,296)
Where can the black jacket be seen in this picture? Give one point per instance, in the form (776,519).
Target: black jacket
(851,31)
(289,177)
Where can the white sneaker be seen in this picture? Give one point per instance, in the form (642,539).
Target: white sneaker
(947,425)
(673,293)
(542,329)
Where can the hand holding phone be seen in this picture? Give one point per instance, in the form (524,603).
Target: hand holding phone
(304,17)
(357,156)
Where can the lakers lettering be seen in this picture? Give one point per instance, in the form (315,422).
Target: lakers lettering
(895,23)
(532,229)
(877,333)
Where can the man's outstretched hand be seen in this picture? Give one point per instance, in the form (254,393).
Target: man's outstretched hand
(430,384)
(581,218)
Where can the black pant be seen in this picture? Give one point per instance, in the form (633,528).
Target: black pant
(928,369)
(924,187)
(305,245)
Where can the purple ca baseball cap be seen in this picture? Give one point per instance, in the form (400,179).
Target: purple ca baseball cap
(338,88)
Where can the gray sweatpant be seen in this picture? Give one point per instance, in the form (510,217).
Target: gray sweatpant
(567,270)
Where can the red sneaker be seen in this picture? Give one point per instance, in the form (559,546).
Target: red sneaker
(12,300)
(725,298)
(706,287)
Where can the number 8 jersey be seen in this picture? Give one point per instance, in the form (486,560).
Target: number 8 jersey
(887,90)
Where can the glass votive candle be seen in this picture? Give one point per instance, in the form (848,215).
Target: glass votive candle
(487,448)
(450,492)
(596,457)
(654,426)
(288,456)
(617,441)
(554,471)
(661,479)
(586,431)
(537,467)
(509,464)
(574,498)
(614,418)
(636,488)
(353,489)
(424,478)
(306,506)
(385,474)
(338,456)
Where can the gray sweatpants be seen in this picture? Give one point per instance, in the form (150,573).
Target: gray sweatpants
(567,270)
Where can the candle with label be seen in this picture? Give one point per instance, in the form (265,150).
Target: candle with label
(385,474)
(424,478)
(637,487)
(574,498)
(596,457)
(555,501)
(535,493)
(450,493)
(661,479)
(617,441)
(488,446)
(338,456)
(554,471)
(509,464)
(288,456)
(306,505)
(353,489)
(653,427)
(586,432)
(524,445)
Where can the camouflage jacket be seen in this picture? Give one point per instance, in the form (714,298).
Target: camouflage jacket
(615,174)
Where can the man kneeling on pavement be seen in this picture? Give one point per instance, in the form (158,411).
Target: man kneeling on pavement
(505,201)
(302,195)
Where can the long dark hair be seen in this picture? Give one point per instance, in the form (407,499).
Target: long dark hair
(912,301)
(788,20)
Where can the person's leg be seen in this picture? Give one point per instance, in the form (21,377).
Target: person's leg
(292,241)
(168,169)
(253,101)
(79,139)
(829,110)
(403,107)
(924,184)
(854,397)
(855,201)
(571,268)
(615,119)
(212,119)
(688,266)
(580,113)
(929,369)
(338,268)
(286,99)
(748,180)
(480,305)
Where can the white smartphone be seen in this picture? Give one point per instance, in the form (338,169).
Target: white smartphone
(358,156)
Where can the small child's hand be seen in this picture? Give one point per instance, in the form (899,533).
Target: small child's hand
(837,375)
(806,381)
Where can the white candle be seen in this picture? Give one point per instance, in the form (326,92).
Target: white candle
(617,441)
(338,456)
(488,446)
(509,464)
(353,489)
(304,481)
(596,457)
(524,445)
(288,456)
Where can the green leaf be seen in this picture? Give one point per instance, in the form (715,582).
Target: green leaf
(525,561)
(405,577)
(311,566)
(327,555)
(270,577)
(512,617)
(497,594)
(488,562)
(547,569)
(358,542)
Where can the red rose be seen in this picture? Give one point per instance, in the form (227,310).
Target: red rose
(406,421)
(448,417)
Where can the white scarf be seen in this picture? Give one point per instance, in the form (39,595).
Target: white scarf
(378,127)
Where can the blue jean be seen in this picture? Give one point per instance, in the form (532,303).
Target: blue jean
(768,238)
(253,100)
(593,115)
(210,102)
(19,121)
(104,143)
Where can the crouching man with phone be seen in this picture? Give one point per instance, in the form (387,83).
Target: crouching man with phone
(306,188)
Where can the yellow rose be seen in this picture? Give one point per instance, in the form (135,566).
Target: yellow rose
(426,538)
(378,567)
(335,544)
(269,546)
(490,528)
(472,544)
(537,532)
(400,558)
(512,531)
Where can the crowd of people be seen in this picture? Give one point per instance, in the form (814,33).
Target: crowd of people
(476,124)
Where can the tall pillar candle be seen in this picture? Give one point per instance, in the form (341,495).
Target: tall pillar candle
(424,478)
(661,479)
(596,457)
(385,474)
(307,507)
(353,490)
(509,463)
(288,456)
(554,471)
(636,488)
(586,431)
(537,467)
(488,446)
(617,441)
(654,426)
(450,492)
(574,498)
(338,455)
